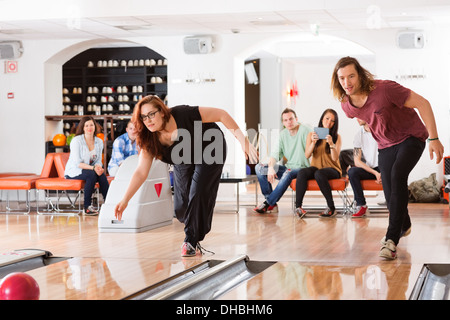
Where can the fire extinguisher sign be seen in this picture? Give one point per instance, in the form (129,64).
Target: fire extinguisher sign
(11,66)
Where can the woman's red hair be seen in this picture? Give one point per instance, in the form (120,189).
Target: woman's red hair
(147,140)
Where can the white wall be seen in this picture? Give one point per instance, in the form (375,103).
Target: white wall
(314,76)
(37,87)
(434,61)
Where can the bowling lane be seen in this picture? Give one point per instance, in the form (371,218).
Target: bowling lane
(114,279)
(103,279)
(296,280)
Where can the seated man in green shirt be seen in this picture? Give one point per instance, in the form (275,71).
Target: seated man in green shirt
(291,148)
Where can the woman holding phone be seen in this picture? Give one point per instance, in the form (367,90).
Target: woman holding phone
(324,154)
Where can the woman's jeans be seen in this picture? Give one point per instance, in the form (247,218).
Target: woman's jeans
(285,176)
(395,164)
(91,178)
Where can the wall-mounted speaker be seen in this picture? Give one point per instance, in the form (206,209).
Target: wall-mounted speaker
(411,39)
(198,45)
(10,49)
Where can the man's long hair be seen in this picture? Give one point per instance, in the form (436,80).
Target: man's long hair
(365,77)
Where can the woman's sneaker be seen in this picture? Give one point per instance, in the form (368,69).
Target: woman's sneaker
(361,211)
(300,212)
(90,211)
(388,249)
(328,213)
(202,250)
(187,250)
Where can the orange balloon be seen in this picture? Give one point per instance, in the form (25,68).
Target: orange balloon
(101,136)
(59,140)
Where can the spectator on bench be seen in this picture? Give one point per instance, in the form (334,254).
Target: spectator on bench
(324,163)
(85,162)
(123,147)
(291,146)
(366,166)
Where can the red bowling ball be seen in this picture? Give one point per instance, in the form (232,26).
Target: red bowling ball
(19,286)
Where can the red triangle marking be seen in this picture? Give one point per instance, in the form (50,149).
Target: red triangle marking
(158,187)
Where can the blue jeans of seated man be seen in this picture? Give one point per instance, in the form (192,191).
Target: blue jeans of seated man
(285,176)
(355,175)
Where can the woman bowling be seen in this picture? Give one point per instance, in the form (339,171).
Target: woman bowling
(188,138)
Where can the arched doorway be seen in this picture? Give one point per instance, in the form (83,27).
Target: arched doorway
(305,61)
(101,78)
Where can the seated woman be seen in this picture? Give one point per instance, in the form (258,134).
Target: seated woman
(324,163)
(85,162)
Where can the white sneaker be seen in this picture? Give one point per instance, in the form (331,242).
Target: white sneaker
(388,250)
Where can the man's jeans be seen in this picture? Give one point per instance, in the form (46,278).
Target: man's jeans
(283,174)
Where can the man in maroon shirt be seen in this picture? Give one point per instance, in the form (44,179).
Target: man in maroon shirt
(401,135)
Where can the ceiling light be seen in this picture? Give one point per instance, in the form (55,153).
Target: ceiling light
(134,27)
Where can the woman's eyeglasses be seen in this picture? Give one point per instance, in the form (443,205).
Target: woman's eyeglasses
(149,115)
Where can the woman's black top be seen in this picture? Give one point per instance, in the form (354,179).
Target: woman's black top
(196,142)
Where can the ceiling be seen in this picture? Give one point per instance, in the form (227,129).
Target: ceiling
(310,20)
(72,21)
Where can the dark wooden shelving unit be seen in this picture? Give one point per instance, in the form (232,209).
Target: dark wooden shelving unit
(107,83)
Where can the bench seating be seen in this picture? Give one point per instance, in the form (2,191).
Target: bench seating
(339,185)
(15,174)
(61,184)
(26,182)
(66,186)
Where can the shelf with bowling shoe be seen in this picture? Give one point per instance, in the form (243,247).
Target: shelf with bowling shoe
(111,90)
(107,83)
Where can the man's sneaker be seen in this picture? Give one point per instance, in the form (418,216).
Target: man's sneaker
(300,212)
(187,250)
(406,232)
(266,208)
(260,207)
(361,211)
(328,213)
(90,211)
(388,250)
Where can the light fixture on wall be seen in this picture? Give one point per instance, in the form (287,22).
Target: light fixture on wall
(292,92)
(314,27)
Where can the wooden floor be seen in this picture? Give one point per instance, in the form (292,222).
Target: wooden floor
(316,258)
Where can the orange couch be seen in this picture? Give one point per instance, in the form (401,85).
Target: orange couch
(27,182)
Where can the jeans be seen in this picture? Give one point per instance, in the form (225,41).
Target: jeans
(91,178)
(321,176)
(355,175)
(283,174)
(395,164)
